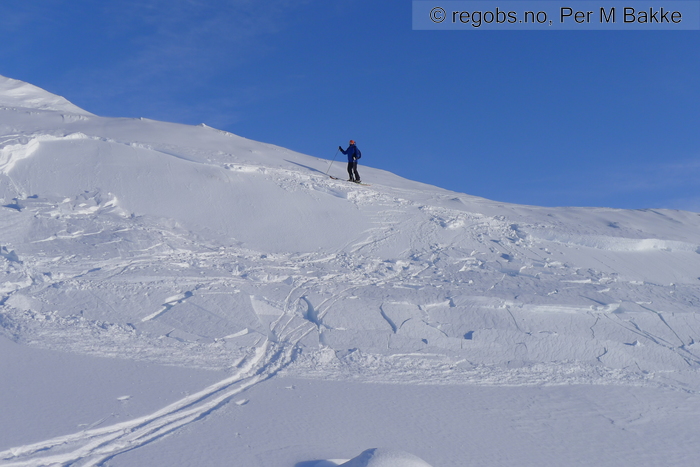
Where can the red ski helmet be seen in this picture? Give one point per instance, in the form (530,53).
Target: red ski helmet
(352,141)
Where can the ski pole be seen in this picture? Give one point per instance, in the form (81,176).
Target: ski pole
(329,165)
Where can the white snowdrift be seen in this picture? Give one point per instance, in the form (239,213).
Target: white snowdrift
(378,457)
(188,246)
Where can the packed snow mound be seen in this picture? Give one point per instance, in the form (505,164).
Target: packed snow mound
(15,93)
(379,457)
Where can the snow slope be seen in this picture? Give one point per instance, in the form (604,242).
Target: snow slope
(168,244)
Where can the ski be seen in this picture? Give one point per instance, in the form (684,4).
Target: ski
(356,183)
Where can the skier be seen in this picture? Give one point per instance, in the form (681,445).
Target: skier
(353,154)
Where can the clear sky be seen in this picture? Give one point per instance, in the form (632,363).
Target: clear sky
(553,118)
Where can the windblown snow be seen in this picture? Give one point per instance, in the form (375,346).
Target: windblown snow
(165,244)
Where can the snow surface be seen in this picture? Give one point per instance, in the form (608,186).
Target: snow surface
(195,268)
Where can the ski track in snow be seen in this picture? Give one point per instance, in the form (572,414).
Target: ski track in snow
(96,446)
(421,285)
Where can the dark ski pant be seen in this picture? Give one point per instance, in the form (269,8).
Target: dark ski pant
(352,171)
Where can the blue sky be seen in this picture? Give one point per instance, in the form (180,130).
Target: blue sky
(553,118)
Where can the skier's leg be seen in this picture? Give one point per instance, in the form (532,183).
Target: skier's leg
(350,174)
(354,169)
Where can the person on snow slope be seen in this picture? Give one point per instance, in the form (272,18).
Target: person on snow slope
(353,155)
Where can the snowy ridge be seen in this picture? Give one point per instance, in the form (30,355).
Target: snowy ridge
(15,93)
(188,246)
(444,257)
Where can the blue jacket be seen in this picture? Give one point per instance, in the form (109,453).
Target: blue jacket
(352,152)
